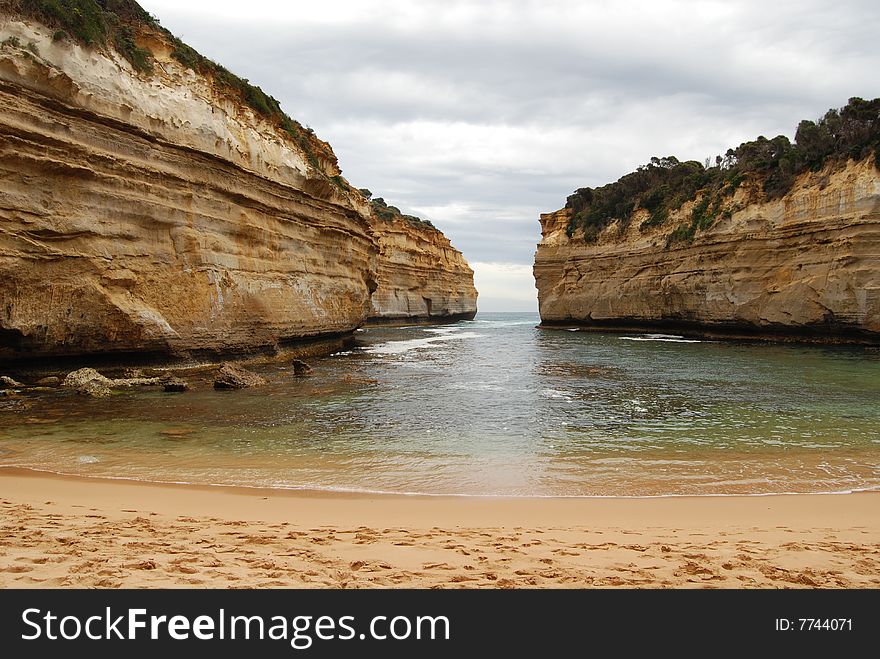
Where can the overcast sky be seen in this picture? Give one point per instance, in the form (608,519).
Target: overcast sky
(481,115)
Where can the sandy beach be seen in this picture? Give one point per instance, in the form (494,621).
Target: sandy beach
(74,532)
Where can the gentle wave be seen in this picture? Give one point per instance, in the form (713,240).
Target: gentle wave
(369,491)
(667,338)
(399,347)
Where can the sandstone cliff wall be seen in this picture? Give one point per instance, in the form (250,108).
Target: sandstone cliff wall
(806,265)
(421,275)
(151,212)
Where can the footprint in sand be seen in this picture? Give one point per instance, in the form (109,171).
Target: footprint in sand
(16,569)
(185,569)
(693,569)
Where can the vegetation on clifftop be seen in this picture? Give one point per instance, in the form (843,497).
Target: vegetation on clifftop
(772,166)
(117,23)
(96,23)
(390,213)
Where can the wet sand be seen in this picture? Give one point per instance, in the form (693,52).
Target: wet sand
(75,532)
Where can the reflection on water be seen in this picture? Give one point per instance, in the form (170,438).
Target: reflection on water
(493,406)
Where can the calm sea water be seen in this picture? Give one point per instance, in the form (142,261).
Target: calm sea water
(493,406)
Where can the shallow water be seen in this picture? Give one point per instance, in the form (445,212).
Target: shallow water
(493,406)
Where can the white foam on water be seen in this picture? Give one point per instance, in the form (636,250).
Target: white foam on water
(667,338)
(400,347)
(311,487)
(442,330)
(555,394)
(88,459)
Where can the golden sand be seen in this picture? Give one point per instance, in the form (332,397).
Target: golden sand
(74,532)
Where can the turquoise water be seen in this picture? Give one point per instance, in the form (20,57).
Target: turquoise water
(493,406)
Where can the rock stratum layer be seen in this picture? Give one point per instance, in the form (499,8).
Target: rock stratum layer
(806,265)
(156,212)
(421,275)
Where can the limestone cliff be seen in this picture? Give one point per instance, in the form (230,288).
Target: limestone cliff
(421,276)
(153,202)
(806,264)
(155,211)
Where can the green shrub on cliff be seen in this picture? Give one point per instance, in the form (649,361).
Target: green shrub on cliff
(664,184)
(703,216)
(83,19)
(385,212)
(116,22)
(96,23)
(660,186)
(141,58)
(185,54)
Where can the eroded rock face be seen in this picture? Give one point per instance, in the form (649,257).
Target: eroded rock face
(175,385)
(421,276)
(233,376)
(300,368)
(88,382)
(149,212)
(807,265)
